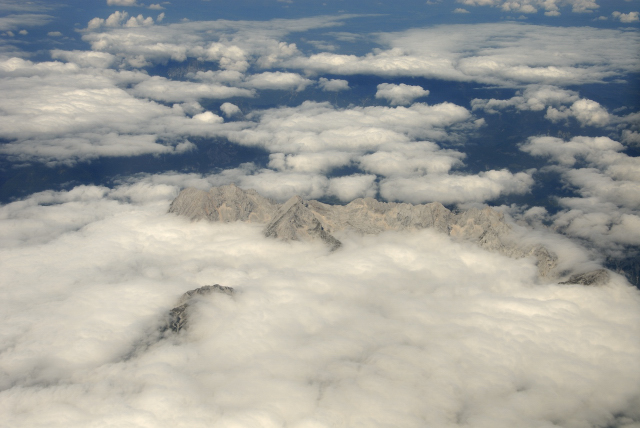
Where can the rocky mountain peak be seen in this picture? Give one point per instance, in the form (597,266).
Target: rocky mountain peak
(300,220)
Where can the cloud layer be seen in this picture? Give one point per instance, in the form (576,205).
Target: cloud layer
(398,329)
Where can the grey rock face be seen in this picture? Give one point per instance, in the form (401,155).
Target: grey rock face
(297,220)
(596,277)
(179,316)
(224,203)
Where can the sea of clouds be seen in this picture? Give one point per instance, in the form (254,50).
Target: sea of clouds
(400,329)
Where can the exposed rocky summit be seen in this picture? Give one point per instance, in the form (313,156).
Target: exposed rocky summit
(179,316)
(298,219)
(596,277)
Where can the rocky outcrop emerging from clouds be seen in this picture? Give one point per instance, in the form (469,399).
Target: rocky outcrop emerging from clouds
(596,277)
(299,220)
(179,316)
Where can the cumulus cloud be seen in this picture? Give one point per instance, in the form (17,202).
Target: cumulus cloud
(233,45)
(626,18)
(333,85)
(608,183)
(122,3)
(454,189)
(317,138)
(69,113)
(530,6)
(581,55)
(13,22)
(460,10)
(396,329)
(587,112)
(163,89)
(120,19)
(278,80)
(534,98)
(400,94)
(230,110)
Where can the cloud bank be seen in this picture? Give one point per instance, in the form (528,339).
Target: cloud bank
(396,329)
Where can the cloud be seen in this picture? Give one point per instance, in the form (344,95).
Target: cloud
(401,329)
(54,34)
(608,183)
(277,80)
(534,98)
(162,89)
(230,110)
(121,3)
(529,6)
(13,22)
(333,85)
(231,44)
(460,10)
(400,94)
(556,101)
(69,113)
(583,55)
(587,112)
(121,19)
(86,58)
(156,6)
(454,189)
(626,18)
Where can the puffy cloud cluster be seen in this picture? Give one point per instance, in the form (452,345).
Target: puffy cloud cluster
(387,145)
(401,329)
(626,18)
(551,7)
(498,53)
(57,112)
(608,211)
(400,94)
(519,54)
(561,104)
(333,85)
(15,21)
(233,45)
(122,19)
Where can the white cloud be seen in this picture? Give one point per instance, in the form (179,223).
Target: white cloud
(13,22)
(160,88)
(333,85)
(397,329)
(626,18)
(71,113)
(534,97)
(85,58)
(529,6)
(351,187)
(54,34)
(454,189)
(609,185)
(580,55)
(322,162)
(556,101)
(230,110)
(277,80)
(122,3)
(400,94)
(121,19)
(587,112)
(460,10)
(156,6)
